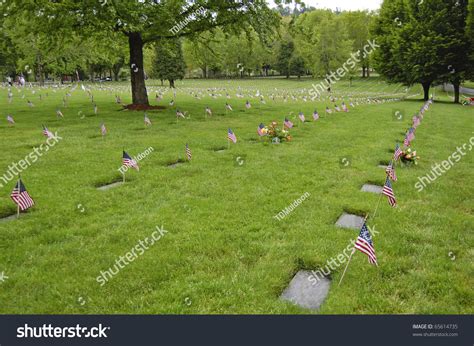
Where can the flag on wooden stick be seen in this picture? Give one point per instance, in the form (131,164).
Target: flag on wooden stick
(129,162)
(21,197)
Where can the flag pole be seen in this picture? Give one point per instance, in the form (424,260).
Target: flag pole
(377,207)
(123,174)
(18,204)
(350,258)
(347,265)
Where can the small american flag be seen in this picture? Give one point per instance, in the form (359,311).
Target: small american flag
(406,141)
(248,105)
(336,107)
(103,129)
(228,106)
(147,120)
(388,191)
(208,111)
(188,152)
(301,116)
(47,133)
(315,115)
(231,136)
(260,130)
(328,111)
(59,113)
(21,197)
(179,114)
(390,170)
(365,245)
(96,110)
(30,104)
(344,107)
(10,119)
(172,103)
(288,123)
(129,162)
(398,152)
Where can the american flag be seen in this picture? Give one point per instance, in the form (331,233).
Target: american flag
(59,113)
(301,116)
(328,111)
(188,152)
(259,130)
(336,107)
(96,110)
(47,133)
(179,114)
(231,136)
(172,103)
(103,129)
(388,191)
(344,107)
(315,115)
(288,123)
(129,162)
(365,245)
(30,104)
(398,152)
(248,105)
(208,111)
(406,141)
(21,197)
(147,120)
(390,170)
(228,106)
(10,119)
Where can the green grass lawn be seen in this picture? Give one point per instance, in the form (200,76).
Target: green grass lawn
(224,251)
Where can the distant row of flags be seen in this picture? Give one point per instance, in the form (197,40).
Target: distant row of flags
(364,241)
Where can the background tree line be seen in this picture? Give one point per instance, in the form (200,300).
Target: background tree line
(428,42)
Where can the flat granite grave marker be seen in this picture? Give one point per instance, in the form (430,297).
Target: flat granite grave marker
(350,221)
(8,218)
(110,186)
(372,188)
(305,293)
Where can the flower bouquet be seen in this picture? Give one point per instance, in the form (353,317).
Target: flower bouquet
(409,157)
(274,133)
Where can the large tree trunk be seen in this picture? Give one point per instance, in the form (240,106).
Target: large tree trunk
(456,85)
(171,83)
(426,90)
(363,71)
(139,94)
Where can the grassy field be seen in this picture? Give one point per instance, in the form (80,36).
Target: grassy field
(224,251)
